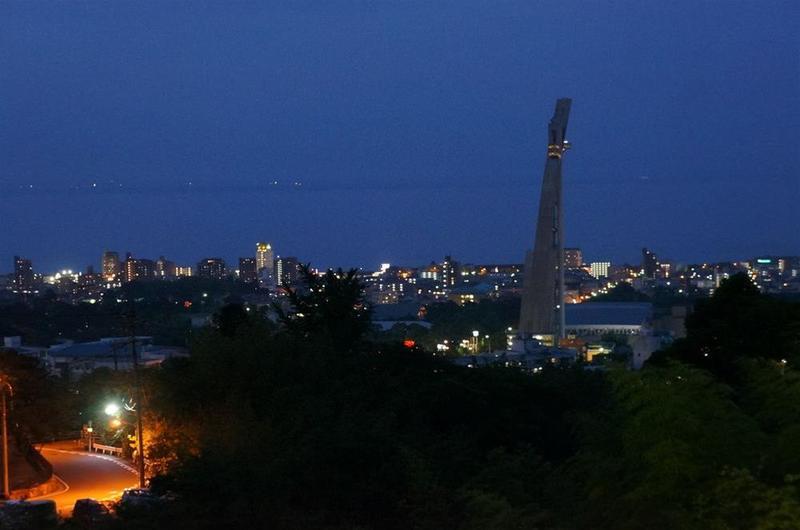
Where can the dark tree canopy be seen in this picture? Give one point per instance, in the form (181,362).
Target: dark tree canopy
(622,292)
(330,306)
(737,323)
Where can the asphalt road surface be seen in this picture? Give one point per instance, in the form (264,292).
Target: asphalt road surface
(86,475)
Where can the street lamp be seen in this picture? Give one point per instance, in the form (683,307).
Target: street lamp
(114,410)
(6,388)
(475,335)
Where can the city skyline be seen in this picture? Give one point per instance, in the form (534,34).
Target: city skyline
(231,262)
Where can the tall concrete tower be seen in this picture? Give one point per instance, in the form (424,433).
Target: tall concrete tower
(542,310)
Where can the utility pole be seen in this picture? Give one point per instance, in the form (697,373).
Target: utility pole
(5,386)
(137,396)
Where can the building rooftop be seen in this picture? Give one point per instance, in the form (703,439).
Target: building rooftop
(401,311)
(608,313)
(473,288)
(107,347)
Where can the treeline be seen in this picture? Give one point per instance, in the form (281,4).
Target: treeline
(162,309)
(451,322)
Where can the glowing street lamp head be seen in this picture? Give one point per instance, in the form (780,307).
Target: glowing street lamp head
(476,333)
(112,409)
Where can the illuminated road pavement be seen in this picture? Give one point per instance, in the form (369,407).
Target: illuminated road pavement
(84,475)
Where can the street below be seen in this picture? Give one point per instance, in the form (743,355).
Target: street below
(86,475)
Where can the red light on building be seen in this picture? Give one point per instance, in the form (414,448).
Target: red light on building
(408,343)
(187,304)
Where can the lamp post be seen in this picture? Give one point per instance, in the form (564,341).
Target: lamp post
(115,412)
(6,389)
(475,335)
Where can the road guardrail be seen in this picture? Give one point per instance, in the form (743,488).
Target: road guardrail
(110,449)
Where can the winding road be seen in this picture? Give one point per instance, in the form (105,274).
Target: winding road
(86,475)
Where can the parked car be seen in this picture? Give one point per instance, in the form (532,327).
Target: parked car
(25,515)
(138,500)
(88,512)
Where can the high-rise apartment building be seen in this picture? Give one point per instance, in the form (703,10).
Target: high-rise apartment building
(264,256)
(129,268)
(450,273)
(248,271)
(111,266)
(265,264)
(278,269)
(23,273)
(287,271)
(211,268)
(165,269)
(573,258)
(138,269)
(649,263)
(431,272)
(145,269)
(599,269)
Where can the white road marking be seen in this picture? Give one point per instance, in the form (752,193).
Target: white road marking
(66,489)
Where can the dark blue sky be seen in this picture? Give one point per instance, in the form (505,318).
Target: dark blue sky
(416,128)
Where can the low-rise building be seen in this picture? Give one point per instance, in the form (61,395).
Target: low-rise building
(601,318)
(73,359)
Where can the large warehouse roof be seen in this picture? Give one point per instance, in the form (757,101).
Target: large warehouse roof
(608,313)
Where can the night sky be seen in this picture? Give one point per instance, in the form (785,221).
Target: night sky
(413,129)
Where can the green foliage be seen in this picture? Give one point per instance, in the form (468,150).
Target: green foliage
(289,432)
(622,292)
(47,320)
(400,332)
(493,317)
(199,291)
(739,323)
(673,435)
(330,306)
(93,392)
(163,310)
(231,317)
(771,393)
(738,501)
(452,322)
(42,407)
